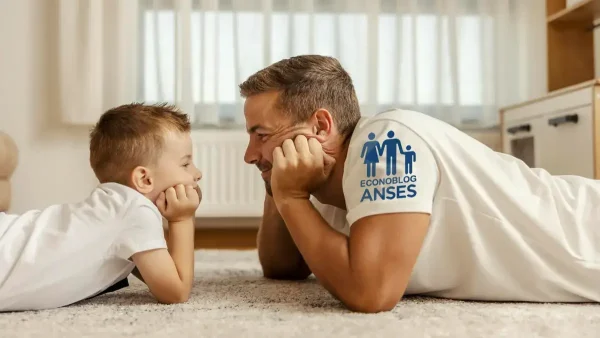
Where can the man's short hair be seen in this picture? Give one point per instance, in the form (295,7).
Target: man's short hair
(132,135)
(305,84)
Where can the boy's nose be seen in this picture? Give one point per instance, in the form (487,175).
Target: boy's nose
(198,175)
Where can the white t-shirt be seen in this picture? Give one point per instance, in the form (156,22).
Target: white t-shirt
(65,253)
(499,230)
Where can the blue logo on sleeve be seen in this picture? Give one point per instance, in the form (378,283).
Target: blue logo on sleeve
(409,157)
(392,186)
(390,146)
(371,151)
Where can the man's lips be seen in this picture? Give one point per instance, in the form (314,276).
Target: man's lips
(265,174)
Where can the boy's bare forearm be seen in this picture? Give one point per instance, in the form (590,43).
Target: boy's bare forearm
(278,254)
(180,243)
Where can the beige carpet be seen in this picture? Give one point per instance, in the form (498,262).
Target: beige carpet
(231,299)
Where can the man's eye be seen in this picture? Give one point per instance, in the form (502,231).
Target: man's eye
(261,135)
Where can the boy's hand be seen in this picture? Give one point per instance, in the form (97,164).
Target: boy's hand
(178,203)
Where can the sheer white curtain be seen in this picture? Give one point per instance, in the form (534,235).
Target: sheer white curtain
(458,60)
(97,47)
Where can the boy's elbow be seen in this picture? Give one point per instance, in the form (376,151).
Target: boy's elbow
(372,301)
(175,296)
(175,299)
(181,297)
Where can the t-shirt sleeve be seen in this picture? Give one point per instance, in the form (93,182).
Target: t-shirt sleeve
(143,231)
(389,169)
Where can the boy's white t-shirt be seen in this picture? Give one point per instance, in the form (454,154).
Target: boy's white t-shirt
(66,253)
(499,230)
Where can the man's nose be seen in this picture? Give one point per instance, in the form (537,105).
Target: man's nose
(252,155)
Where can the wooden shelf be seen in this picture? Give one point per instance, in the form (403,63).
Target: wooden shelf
(581,14)
(570,42)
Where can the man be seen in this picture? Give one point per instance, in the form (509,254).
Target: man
(465,223)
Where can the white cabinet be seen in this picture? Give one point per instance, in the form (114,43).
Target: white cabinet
(567,142)
(559,132)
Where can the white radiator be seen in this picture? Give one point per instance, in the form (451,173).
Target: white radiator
(230,187)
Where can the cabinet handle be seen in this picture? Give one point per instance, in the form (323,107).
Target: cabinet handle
(555,122)
(516,129)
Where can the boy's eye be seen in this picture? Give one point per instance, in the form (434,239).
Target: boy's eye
(186,165)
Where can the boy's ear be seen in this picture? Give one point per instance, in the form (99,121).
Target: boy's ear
(142,180)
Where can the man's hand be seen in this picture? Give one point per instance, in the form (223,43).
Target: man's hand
(179,203)
(299,168)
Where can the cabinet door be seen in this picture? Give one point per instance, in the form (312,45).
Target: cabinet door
(519,140)
(565,142)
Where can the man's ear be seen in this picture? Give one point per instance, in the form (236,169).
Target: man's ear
(322,122)
(142,180)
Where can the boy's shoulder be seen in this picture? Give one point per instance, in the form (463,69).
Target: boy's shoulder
(118,201)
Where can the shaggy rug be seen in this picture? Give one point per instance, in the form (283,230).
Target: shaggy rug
(232,299)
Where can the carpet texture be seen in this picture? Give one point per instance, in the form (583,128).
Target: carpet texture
(231,299)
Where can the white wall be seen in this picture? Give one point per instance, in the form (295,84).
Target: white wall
(53,165)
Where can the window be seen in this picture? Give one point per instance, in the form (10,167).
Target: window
(415,59)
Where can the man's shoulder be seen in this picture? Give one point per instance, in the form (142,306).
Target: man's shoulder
(397,120)
(390,127)
(402,116)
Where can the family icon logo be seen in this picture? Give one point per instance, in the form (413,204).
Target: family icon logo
(393,186)
(372,150)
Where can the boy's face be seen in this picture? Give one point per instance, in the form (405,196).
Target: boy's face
(175,165)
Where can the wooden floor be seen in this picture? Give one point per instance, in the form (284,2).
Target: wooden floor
(239,239)
(225,238)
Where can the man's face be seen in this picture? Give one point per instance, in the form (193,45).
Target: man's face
(268,128)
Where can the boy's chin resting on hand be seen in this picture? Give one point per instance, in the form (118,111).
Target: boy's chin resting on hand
(169,274)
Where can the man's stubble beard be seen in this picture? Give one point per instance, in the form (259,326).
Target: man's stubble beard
(264,166)
(268,188)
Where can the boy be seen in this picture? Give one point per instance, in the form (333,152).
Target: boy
(142,157)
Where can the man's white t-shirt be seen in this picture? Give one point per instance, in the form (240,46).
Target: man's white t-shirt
(66,253)
(499,230)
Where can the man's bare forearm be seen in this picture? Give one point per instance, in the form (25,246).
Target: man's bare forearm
(277,252)
(327,251)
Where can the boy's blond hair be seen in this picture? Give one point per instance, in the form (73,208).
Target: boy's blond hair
(131,135)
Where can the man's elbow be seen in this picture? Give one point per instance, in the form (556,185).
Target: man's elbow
(281,272)
(293,269)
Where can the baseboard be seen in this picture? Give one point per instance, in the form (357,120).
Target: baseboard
(227,222)
(224,238)
(240,239)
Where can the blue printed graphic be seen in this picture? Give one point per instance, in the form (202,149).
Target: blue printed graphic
(409,157)
(389,146)
(371,151)
(393,186)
